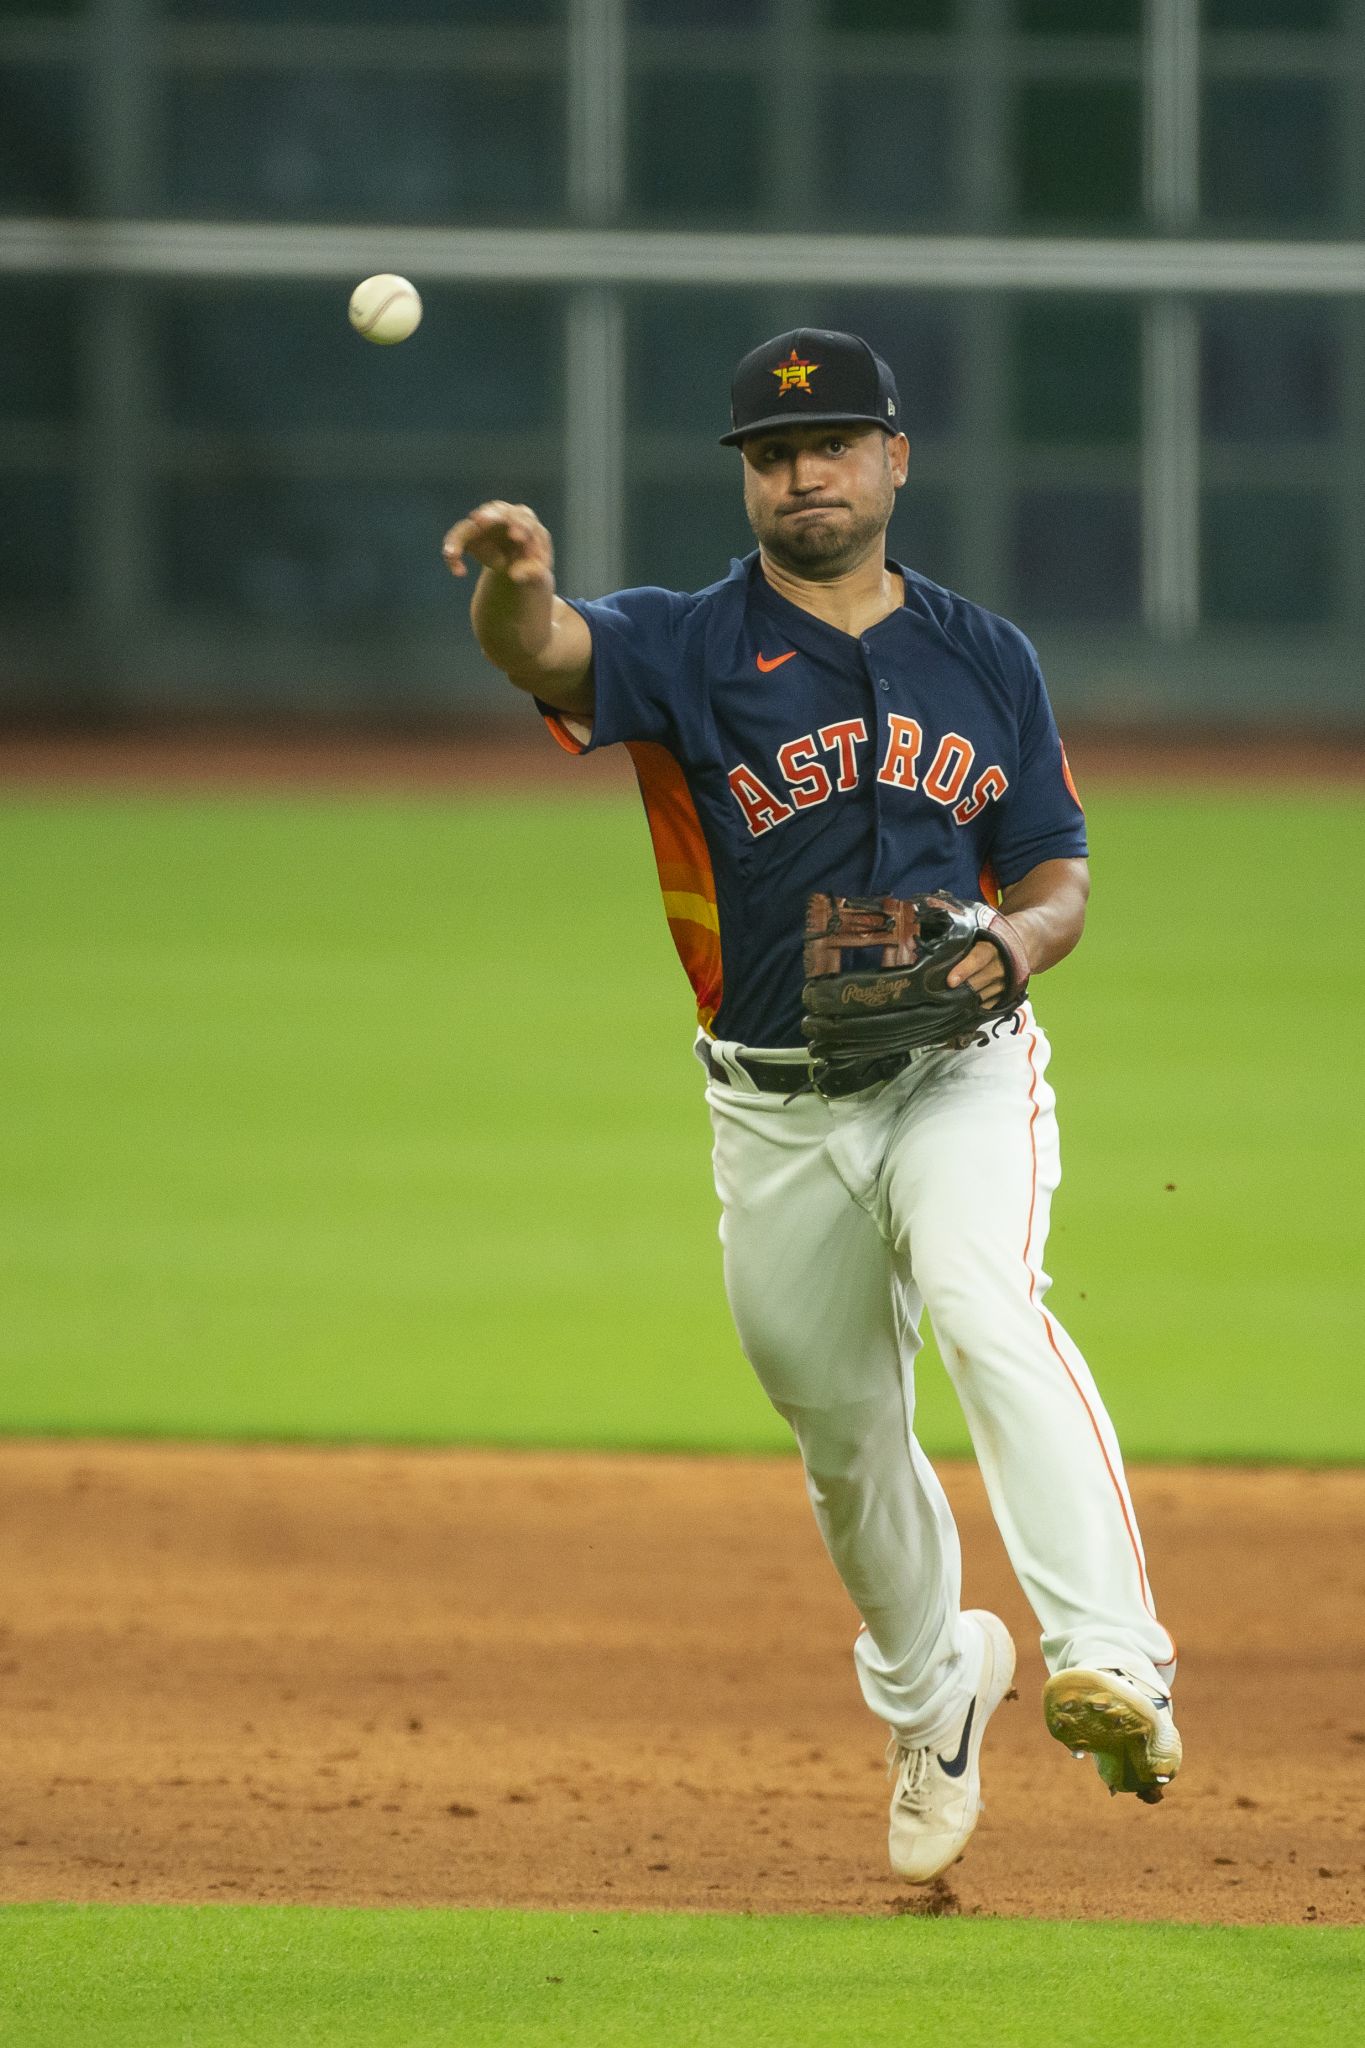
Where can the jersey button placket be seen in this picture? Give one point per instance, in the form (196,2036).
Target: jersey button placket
(880,730)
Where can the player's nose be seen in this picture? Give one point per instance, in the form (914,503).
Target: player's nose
(808,470)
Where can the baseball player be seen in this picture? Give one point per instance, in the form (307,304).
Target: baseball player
(868,840)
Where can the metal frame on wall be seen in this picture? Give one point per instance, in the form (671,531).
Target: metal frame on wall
(599,257)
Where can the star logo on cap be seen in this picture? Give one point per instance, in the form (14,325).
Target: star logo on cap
(794,374)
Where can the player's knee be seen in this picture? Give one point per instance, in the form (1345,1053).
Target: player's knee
(843,1443)
(797,1363)
(786,1371)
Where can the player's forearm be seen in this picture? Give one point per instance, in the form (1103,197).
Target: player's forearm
(1047,909)
(514,624)
(539,642)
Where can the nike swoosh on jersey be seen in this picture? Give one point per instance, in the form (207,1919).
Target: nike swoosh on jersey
(954,1767)
(767,666)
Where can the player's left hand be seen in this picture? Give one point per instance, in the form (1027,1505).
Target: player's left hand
(984,969)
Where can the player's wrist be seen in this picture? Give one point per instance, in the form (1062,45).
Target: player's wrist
(1014,948)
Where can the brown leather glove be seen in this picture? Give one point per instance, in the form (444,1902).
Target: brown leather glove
(862,1024)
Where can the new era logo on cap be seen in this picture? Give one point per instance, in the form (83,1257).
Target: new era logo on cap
(820,375)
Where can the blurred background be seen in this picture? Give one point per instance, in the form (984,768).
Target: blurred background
(1112,248)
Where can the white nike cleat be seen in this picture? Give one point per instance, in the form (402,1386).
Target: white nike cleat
(936,1799)
(1123,1722)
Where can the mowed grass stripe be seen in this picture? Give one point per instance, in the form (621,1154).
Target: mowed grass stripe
(376,1118)
(225,1976)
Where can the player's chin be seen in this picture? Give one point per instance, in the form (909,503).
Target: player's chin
(810,541)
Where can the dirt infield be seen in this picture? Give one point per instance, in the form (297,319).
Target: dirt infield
(490,1679)
(262,760)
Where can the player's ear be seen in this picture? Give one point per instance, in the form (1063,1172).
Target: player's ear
(898,455)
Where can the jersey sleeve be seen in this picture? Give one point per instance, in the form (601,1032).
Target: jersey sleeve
(638,662)
(1039,817)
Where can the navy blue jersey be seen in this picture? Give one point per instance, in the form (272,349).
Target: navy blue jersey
(777,755)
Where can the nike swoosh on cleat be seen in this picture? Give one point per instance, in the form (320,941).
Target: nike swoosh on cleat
(1157,1699)
(767,667)
(958,1764)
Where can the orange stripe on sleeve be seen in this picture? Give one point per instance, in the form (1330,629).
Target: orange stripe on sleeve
(560,733)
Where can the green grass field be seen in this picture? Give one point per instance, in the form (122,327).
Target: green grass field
(377,1118)
(304,1977)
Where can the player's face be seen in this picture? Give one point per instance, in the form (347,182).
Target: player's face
(819,498)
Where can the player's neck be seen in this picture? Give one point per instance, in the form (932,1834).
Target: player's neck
(852,602)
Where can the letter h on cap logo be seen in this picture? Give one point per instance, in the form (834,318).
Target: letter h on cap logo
(794,374)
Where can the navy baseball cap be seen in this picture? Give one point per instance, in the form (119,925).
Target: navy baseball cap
(810,377)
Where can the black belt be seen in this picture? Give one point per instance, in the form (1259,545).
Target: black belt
(774,1077)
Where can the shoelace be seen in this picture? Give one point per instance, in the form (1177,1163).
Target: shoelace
(910,1768)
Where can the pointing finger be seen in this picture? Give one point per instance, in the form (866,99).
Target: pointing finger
(453,547)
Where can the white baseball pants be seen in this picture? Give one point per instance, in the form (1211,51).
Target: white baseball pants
(842,1222)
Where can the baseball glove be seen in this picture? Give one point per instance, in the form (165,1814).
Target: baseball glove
(863,1023)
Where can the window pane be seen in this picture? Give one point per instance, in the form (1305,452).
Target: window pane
(345,555)
(37,541)
(694,147)
(1079,17)
(356,146)
(895,167)
(923,532)
(1271,371)
(1269,557)
(684,536)
(1078,152)
(479,361)
(921,341)
(1077,371)
(41,374)
(891,17)
(1272,14)
(682,351)
(1077,555)
(1270,152)
(699,13)
(382,13)
(40,139)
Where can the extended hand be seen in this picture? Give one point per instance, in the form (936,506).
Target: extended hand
(506,538)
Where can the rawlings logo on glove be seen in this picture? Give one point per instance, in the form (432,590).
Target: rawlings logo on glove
(873,995)
(862,1024)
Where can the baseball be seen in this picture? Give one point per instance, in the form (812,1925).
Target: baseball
(385,309)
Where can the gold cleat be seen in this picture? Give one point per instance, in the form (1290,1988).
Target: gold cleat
(1122,1722)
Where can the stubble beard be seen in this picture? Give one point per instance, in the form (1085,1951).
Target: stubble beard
(821,550)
